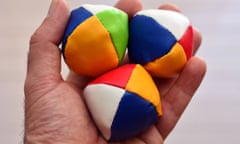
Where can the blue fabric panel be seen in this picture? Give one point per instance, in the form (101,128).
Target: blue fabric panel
(77,17)
(148,40)
(133,116)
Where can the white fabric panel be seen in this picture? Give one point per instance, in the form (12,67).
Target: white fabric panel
(94,9)
(175,22)
(103,101)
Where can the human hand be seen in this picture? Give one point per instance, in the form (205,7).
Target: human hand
(54,108)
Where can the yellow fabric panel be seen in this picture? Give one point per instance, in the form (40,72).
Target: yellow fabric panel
(170,64)
(89,49)
(142,84)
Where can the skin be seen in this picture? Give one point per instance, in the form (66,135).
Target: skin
(54,108)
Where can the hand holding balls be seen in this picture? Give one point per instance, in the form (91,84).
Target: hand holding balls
(125,101)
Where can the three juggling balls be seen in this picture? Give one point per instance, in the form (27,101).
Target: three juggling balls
(124,100)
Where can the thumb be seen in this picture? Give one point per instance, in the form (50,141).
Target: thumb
(44,55)
(54,24)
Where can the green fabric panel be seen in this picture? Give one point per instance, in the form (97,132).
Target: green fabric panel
(116,23)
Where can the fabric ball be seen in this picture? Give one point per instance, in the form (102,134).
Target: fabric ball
(95,39)
(161,41)
(123,102)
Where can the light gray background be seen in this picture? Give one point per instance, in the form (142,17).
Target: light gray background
(213,115)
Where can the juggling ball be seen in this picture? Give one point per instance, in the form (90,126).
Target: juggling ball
(123,102)
(161,41)
(95,39)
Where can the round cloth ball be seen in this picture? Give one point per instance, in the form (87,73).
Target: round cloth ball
(161,41)
(123,102)
(95,39)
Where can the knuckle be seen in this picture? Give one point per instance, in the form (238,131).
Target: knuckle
(35,37)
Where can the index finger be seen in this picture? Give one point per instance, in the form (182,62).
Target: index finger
(129,7)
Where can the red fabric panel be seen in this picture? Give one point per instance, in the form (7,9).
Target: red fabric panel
(187,42)
(118,77)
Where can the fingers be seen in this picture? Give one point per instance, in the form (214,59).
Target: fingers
(129,7)
(129,141)
(133,141)
(170,7)
(178,97)
(151,136)
(197,38)
(44,54)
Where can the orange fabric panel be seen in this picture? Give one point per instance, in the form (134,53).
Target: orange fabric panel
(142,84)
(170,64)
(89,50)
